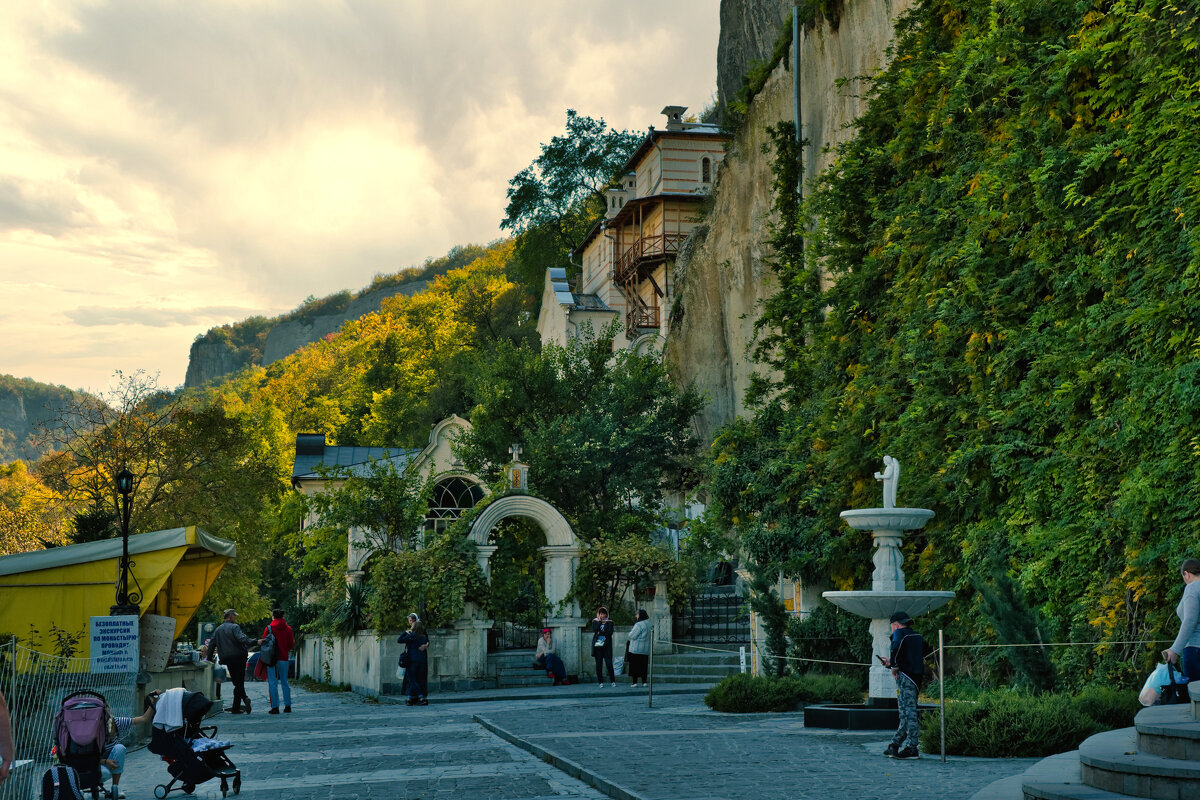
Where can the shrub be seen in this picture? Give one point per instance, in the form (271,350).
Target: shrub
(1005,724)
(1108,706)
(749,694)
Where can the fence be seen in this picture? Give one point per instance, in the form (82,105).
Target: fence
(34,685)
(712,619)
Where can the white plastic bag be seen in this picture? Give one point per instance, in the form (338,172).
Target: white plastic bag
(1158,678)
(619,665)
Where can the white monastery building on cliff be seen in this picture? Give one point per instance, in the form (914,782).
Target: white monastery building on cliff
(627,257)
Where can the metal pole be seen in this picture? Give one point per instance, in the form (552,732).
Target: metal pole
(650,673)
(942,687)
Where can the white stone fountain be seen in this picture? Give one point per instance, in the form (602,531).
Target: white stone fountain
(887,594)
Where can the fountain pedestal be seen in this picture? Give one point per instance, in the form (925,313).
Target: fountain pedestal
(886,597)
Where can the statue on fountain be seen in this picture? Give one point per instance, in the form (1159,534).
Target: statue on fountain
(891,478)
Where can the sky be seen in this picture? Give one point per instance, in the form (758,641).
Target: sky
(167,167)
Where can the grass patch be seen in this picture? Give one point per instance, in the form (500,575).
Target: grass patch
(312,685)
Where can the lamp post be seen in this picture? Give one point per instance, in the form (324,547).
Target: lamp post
(126,603)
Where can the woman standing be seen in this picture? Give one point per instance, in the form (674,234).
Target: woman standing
(602,647)
(547,658)
(416,642)
(1187,643)
(639,648)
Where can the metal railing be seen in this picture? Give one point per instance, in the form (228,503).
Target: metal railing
(513,635)
(644,251)
(712,619)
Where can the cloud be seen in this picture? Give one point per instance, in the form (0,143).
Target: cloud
(243,155)
(89,317)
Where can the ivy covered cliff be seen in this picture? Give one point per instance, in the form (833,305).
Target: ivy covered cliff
(996,282)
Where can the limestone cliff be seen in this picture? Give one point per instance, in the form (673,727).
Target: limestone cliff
(722,278)
(25,407)
(214,355)
(749,29)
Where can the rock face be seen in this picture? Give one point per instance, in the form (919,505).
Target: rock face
(213,357)
(25,407)
(749,29)
(721,279)
(290,335)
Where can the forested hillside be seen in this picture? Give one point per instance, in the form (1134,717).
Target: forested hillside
(999,287)
(24,406)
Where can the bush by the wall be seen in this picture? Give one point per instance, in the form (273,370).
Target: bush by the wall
(1004,724)
(748,694)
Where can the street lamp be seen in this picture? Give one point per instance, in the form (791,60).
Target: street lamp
(126,603)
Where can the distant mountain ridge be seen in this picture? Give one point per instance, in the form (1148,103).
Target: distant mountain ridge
(225,349)
(25,406)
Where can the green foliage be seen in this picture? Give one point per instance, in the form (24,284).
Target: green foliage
(1009,249)
(41,403)
(553,202)
(517,572)
(385,501)
(347,615)
(747,694)
(436,582)
(1007,724)
(615,564)
(604,435)
(765,602)
(828,634)
(1012,622)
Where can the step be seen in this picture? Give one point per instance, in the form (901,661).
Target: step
(1110,761)
(1056,770)
(1066,791)
(1169,732)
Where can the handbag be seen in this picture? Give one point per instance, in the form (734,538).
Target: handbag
(1173,693)
(405,660)
(267,651)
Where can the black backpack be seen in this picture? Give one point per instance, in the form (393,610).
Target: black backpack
(60,782)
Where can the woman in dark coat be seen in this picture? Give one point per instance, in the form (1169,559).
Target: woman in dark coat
(416,674)
(602,646)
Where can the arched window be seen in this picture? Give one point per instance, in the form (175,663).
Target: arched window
(706,170)
(451,497)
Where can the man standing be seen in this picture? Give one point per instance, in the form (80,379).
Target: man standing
(278,672)
(907,663)
(233,647)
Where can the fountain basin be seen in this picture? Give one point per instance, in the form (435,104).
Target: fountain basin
(887,519)
(881,605)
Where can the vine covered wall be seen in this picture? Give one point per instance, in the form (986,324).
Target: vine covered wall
(1014,313)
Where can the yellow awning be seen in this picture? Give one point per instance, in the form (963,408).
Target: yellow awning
(64,587)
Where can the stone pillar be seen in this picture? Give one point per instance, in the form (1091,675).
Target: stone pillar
(483,554)
(882,686)
(567,640)
(472,646)
(889,574)
(561,562)
(660,617)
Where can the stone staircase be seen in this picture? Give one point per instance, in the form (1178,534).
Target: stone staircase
(699,666)
(512,668)
(1158,758)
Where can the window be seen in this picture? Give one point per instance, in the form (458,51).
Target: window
(451,497)
(706,170)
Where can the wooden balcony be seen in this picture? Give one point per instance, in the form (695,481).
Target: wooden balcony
(641,319)
(647,252)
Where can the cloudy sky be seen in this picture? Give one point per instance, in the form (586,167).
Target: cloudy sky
(166,167)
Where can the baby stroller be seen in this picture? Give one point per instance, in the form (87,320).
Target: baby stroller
(192,753)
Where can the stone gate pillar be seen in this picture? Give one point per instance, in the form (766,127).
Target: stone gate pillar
(561,563)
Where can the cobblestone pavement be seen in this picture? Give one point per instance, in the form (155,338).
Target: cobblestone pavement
(342,746)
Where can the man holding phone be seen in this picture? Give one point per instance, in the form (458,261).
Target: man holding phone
(907,663)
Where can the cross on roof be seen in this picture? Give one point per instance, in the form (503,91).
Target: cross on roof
(516,452)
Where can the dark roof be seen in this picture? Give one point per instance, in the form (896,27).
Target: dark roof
(589,302)
(313,455)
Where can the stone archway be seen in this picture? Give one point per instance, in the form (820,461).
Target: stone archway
(561,552)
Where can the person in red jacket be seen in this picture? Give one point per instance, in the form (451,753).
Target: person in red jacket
(277,673)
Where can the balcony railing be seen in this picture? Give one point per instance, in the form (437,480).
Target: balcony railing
(641,319)
(647,251)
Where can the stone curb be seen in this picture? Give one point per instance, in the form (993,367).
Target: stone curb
(558,762)
(573,692)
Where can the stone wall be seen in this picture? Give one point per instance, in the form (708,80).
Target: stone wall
(722,278)
(749,29)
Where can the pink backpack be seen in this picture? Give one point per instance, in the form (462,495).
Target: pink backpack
(82,725)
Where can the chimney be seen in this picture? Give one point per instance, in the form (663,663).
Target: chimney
(674,117)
